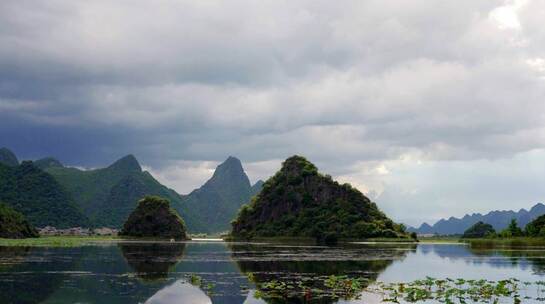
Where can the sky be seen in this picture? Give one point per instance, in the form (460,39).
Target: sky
(432,109)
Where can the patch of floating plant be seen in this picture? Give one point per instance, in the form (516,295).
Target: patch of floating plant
(198,281)
(310,287)
(428,290)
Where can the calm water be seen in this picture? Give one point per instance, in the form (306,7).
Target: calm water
(234,273)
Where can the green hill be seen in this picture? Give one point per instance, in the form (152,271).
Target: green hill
(14,225)
(153,217)
(91,187)
(39,197)
(108,195)
(300,202)
(217,202)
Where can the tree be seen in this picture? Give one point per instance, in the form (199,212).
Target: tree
(536,227)
(512,230)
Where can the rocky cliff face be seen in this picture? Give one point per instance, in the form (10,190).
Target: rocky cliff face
(154,218)
(298,201)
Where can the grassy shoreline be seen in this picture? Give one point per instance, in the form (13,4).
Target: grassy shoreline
(58,241)
(510,242)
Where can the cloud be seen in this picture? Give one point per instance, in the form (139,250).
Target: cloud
(357,87)
(184,176)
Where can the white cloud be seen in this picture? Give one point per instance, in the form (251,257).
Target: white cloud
(506,16)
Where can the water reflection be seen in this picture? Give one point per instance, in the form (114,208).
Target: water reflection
(514,256)
(159,272)
(152,261)
(18,268)
(308,268)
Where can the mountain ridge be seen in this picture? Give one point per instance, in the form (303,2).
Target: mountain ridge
(499,219)
(106,196)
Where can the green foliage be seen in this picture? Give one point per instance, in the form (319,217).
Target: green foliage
(13,225)
(154,218)
(536,228)
(299,202)
(479,230)
(57,241)
(39,197)
(513,230)
(321,287)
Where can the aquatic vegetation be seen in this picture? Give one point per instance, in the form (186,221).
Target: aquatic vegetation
(458,291)
(429,289)
(316,287)
(198,281)
(195,280)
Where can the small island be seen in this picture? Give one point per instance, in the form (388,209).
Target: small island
(154,218)
(300,202)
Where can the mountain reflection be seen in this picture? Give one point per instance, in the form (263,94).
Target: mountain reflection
(522,257)
(152,261)
(311,265)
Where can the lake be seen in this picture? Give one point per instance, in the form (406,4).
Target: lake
(220,272)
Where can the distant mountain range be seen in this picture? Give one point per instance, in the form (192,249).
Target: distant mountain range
(106,196)
(498,219)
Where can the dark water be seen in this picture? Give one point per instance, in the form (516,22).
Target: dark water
(217,272)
